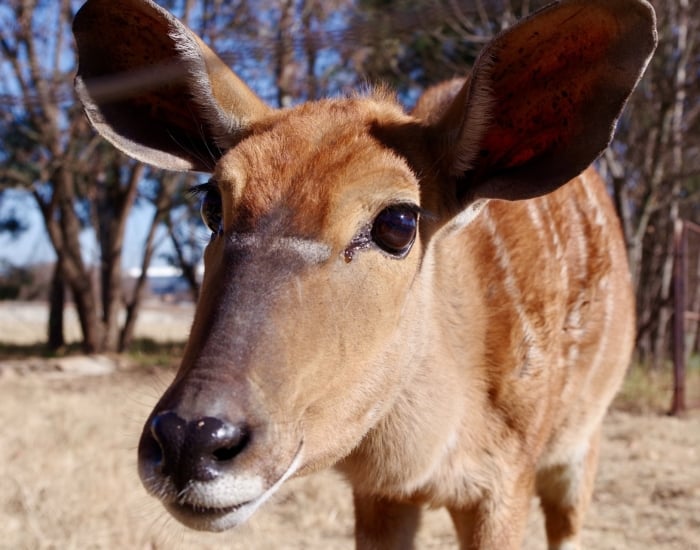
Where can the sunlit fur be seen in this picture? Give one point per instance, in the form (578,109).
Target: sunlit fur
(470,373)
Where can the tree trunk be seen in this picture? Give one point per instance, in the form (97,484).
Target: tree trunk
(57,300)
(114,203)
(284,55)
(661,340)
(134,305)
(680,82)
(63,227)
(189,268)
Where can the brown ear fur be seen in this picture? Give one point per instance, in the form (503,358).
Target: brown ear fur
(154,89)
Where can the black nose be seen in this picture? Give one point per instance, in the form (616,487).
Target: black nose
(195,450)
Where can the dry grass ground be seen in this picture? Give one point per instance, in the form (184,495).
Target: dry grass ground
(68,478)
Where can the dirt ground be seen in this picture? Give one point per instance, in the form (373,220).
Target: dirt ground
(68,476)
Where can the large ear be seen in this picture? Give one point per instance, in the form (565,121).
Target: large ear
(542,100)
(151,87)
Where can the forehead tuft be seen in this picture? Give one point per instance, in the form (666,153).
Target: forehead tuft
(297,162)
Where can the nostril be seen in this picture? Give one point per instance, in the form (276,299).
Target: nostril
(218,438)
(167,431)
(233,447)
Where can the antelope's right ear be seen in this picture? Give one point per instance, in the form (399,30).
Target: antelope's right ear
(151,87)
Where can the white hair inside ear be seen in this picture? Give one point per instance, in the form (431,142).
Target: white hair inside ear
(468,214)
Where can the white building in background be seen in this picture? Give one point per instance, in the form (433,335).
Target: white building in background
(165,280)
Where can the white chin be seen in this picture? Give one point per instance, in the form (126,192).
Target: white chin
(214,519)
(209,508)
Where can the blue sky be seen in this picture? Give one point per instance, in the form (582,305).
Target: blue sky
(33,245)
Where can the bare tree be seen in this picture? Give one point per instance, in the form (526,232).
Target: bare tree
(76,179)
(413,44)
(653,167)
(295,50)
(39,98)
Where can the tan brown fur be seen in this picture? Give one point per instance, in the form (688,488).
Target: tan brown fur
(470,369)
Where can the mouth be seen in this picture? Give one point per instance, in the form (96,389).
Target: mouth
(203,505)
(206,518)
(209,511)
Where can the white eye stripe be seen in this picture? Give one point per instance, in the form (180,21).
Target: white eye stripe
(311,252)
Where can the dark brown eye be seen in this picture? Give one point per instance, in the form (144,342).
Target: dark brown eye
(394,229)
(211,209)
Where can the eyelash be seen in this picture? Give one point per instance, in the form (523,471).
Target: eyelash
(200,190)
(210,205)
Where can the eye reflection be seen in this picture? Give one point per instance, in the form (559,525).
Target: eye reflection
(394,229)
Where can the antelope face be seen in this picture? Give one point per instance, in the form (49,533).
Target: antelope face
(313,251)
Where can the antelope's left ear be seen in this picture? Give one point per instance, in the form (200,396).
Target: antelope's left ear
(543,99)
